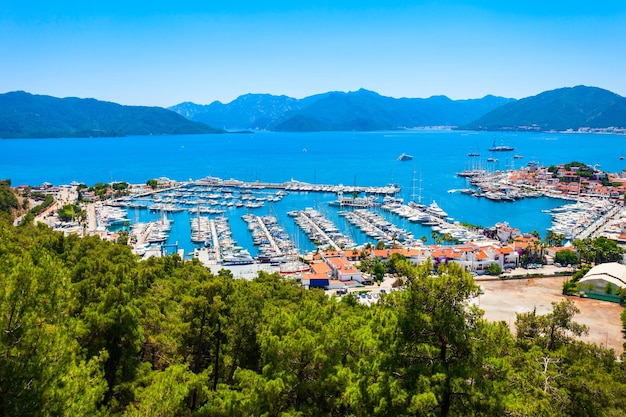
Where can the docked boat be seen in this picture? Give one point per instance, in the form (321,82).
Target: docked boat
(472,173)
(294,267)
(241,257)
(405,157)
(435,210)
(359,202)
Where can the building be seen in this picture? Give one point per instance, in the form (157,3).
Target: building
(603,281)
(319,277)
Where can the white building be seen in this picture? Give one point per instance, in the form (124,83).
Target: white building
(600,277)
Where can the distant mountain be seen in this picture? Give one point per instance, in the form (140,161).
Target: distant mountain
(24,115)
(560,109)
(250,111)
(360,110)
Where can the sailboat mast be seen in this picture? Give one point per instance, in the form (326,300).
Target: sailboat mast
(413,185)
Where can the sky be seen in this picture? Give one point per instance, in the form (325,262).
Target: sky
(162,53)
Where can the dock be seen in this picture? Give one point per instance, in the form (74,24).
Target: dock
(215,240)
(269,237)
(312,229)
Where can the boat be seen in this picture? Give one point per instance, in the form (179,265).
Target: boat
(492,160)
(294,267)
(500,148)
(471,173)
(517,156)
(405,157)
(435,210)
(473,154)
(237,259)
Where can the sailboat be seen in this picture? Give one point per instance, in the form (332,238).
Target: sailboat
(500,148)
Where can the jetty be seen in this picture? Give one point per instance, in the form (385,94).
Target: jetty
(375,226)
(294,185)
(275,246)
(320,230)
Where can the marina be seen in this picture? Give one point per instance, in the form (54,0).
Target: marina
(213,203)
(262,181)
(212,237)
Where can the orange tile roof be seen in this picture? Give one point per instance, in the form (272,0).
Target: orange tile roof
(343,265)
(380,253)
(320,268)
(561,248)
(481,255)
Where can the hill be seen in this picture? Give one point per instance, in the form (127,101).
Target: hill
(359,110)
(561,109)
(9,201)
(24,115)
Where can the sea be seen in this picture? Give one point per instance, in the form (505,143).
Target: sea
(330,158)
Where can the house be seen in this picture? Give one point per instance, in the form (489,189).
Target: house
(319,277)
(507,257)
(343,270)
(550,253)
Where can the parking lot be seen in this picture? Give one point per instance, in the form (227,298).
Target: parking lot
(503,299)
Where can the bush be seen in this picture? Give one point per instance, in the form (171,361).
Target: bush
(494,269)
(570,287)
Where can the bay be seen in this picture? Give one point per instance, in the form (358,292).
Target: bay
(350,158)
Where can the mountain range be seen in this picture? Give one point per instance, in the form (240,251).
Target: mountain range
(359,110)
(24,115)
(562,109)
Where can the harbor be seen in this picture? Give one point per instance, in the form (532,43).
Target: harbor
(231,185)
(277,236)
(211,205)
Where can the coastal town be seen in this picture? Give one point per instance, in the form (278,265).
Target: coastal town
(594,209)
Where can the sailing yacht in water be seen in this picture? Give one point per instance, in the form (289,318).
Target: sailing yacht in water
(500,148)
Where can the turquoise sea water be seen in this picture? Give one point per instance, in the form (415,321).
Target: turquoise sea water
(361,158)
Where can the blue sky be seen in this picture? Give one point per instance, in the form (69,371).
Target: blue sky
(162,53)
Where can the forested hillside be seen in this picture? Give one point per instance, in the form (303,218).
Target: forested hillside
(24,115)
(87,329)
(560,109)
(9,202)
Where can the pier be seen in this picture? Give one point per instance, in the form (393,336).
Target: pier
(594,229)
(309,221)
(293,185)
(269,237)
(215,240)
(375,226)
